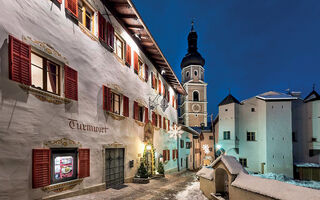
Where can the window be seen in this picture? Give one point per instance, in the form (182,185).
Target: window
(210,149)
(226,135)
(119,47)
(196,73)
(211,137)
(115,103)
(45,75)
(187,73)
(181,143)
(188,145)
(85,15)
(226,110)
(140,114)
(64,165)
(195,96)
(251,136)
(243,162)
(166,155)
(253,110)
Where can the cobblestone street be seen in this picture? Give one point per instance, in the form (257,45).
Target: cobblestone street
(163,188)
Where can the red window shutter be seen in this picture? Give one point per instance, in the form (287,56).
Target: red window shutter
(59,1)
(125,106)
(40,167)
(159,86)
(106,98)
(146,69)
(84,163)
(168,152)
(164,123)
(169,125)
(72,6)
(164,156)
(152,80)
(160,123)
(173,154)
(177,104)
(102,27)
(70,83)
(135,62)
(19,61)
(173,101)
(177,153)
(110,32)
(128,55)
(153,119)
(146,115)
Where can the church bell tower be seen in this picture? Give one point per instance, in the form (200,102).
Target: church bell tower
(193,107)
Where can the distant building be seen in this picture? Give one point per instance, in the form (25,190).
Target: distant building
(193,107)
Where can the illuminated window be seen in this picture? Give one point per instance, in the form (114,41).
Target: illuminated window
(64,165)
(119,47)
(85,15)
(45,74)
(115,103)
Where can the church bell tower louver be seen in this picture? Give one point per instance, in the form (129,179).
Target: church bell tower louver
(193,107)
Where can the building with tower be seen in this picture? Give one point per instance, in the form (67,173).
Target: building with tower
(193,107)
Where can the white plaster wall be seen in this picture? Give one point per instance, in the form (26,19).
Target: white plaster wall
(26,122)
(279,138)
(227,122)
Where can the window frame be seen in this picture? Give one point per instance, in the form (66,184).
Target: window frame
(113,94)
(243,162)
(83,22)
(45,61)
(251,136)
(228,134)
(116,38)
(193,96)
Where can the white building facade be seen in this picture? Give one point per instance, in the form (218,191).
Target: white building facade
(77,81)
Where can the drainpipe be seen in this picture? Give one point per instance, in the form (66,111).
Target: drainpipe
(193,151)
(178,154)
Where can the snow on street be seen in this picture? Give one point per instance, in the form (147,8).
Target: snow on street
(180,186)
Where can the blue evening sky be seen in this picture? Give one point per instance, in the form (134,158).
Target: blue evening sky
(250,46)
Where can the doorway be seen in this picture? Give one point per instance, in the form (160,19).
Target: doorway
(114,170)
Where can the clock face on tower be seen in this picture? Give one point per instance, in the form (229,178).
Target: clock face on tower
(196,108)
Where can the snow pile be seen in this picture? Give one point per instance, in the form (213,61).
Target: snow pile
(274,189)
(231,163)
(191,192)
(283,178)
(206,173)
(307,165)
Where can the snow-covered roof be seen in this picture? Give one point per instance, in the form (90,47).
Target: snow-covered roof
(272,95)
(274,189)
(307,165)
(206,173)
(233,166)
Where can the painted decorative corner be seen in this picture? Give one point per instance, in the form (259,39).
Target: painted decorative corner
(64,142)
(44,96)
(115,116)
(60,187)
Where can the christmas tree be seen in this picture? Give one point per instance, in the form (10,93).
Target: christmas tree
(142,171)
(160,168)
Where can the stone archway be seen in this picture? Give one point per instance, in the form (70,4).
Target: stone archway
(222,182)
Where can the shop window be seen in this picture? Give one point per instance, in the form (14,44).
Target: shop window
(119,47)
(251,136)
(45,74)
(226,135)
(243,162)
(85,15)
(64,165)
(188,145)
(115,103)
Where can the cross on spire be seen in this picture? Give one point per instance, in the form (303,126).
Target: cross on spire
(192,24)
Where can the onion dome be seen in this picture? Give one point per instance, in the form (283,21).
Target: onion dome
(193,57)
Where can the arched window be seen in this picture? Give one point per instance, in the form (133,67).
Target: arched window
(196,73)
(187,74)
(195,96)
